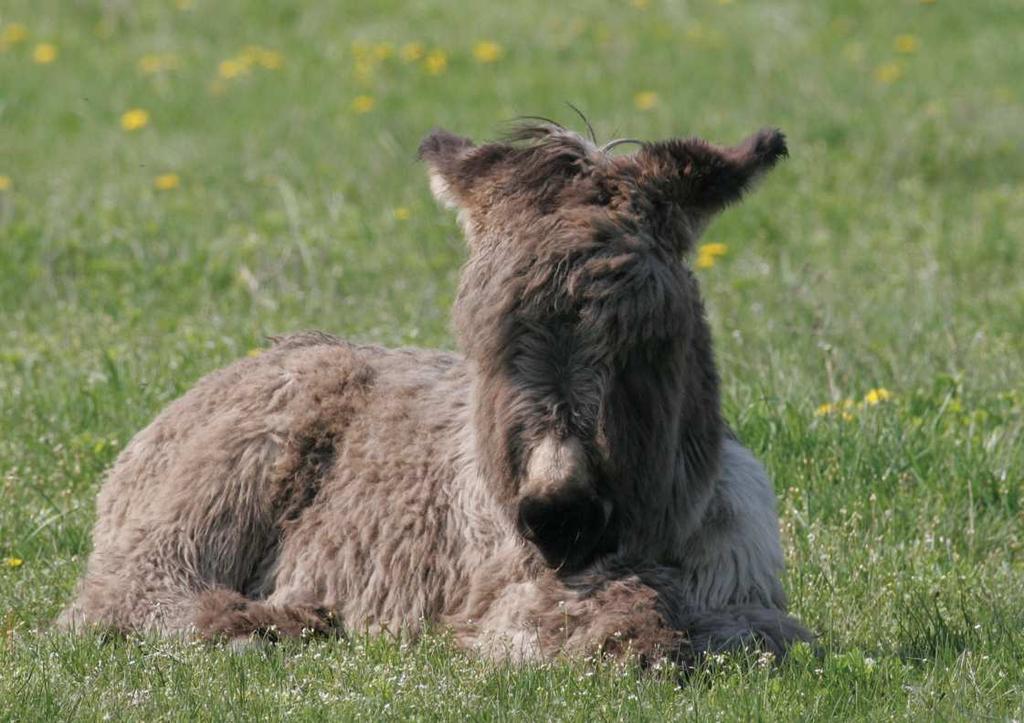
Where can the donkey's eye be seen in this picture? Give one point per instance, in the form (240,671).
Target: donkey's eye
(603,198)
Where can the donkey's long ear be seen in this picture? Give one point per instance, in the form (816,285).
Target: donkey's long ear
(443,152)
(704,177)
(456,165)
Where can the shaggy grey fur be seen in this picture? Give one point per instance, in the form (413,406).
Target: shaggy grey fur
(566,486)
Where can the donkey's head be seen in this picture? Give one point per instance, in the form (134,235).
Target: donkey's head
(596,396)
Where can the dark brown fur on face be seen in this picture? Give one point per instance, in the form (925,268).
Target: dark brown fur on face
(565,487)
(578,313)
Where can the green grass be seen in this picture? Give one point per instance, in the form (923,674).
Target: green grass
(887,252)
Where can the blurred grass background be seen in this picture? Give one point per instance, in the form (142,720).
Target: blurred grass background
(179,179)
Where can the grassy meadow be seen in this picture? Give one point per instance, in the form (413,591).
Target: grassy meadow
(179,179)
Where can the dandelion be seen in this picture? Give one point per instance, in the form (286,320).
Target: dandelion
(645,100)
(364,69)
(383,51)
(13,562)
(640,4)
(436,62)
(714,249)
(166,182)
(402,213)
(888,73)
(411,52)
(232,68)
(824,410)
(156,62)
(5,183)
(44,53)
(13,34)
(270,59)
(907,44)
(707,254)
(149,64)
(361,49)
(134,119)
(487,51)
(255,55)
(363,103)
(876,396)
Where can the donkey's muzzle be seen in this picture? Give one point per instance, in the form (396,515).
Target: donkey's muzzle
(570,526)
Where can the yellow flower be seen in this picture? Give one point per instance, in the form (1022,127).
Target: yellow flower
(364,69)
(411,52)
(361,49)
(876,396)
(843,409)
(640,4)
(232,68)
(713,249)
(5,183)
(436,62)
(888,73)
(704,261)
(156,62)
(383,51)
(166,181)
(13,562)
(134,119)
(14,33)
(149,64)
(402,213)
(363,103)
(487,51)
(270,59)
(645,100)
(907,44)
(254,352)
(185,4)
(44,53)
(707,254)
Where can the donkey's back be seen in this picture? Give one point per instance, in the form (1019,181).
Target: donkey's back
(317,475)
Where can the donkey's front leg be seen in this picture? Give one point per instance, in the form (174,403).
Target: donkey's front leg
(617,610)
(544,617)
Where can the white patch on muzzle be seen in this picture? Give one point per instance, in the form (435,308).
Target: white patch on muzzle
(554,464)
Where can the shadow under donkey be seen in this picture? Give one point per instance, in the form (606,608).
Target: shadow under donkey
(565,485)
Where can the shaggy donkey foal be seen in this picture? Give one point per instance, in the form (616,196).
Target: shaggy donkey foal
(566,486)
